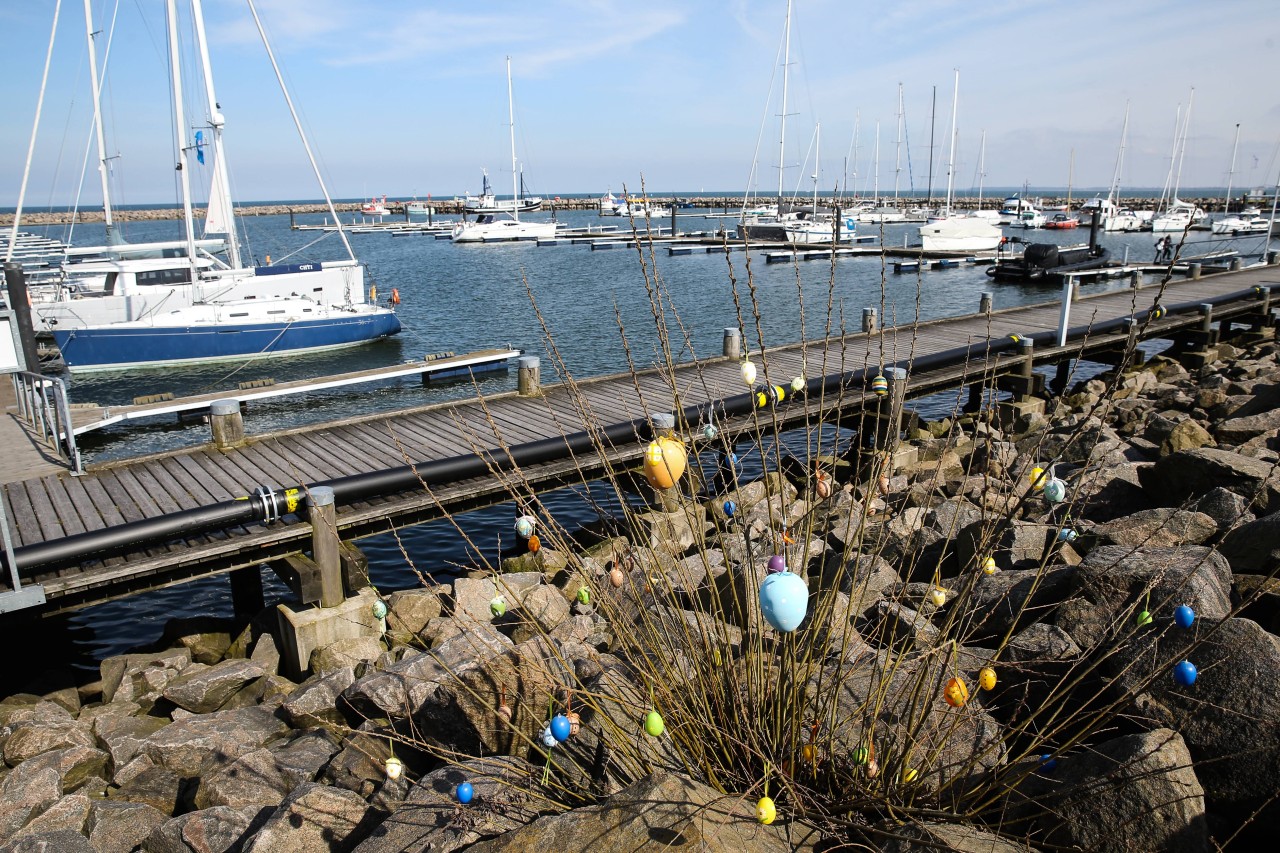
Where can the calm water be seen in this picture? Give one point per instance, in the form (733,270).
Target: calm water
(470,297)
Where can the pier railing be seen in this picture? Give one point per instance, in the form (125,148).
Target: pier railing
(43,403)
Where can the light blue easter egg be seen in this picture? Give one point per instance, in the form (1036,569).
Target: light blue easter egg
(1055,491)
(709,432)
(784,600)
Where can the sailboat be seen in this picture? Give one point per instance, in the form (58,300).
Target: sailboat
(790,223)
(191,309)
(1113,218)
(955,232)
(1065,221)
(499,225)
(487,202)
(1177,215)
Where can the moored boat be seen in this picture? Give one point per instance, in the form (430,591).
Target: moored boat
(1061,222)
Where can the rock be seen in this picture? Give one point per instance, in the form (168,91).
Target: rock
(1164,527)
(69,814)
(305,756)
(200,743)
(315,817)
(401,689)
(928,837)
(546,608)
(1238,430)
(360,764)
(74,767)
(62,841)
(1188,434)
(504,800)
(1017,545)
(1254,547)
(1115,582)
(119,827)
(865,578)
(317,701)
(346,654)
(215,830)
(266,654)
(662,810)
(1130,793)
(1225,507)
(208,647)
(32,738)
(123,736)
(25,796)
(895,626)
(1042,642)
(158,787)
(409,611)
(1009,600)
(91,714)
(1259,600)
(1191,473)
(141,676)
(673,533)
(471,597)
(254,779)
(200,689)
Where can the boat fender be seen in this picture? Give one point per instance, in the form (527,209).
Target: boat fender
(395,296)
(373,293)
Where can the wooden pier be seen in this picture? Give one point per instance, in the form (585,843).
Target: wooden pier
(51,507)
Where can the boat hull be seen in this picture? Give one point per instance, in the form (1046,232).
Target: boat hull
(960,234)
(132,345)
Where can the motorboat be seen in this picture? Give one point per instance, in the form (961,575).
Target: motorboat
(374,207)
(419,208)
(1241,224)
(1048,262)
(640,208)
(1013,207)
(1030,218)
(1061,222)
(798,227)
(609,204)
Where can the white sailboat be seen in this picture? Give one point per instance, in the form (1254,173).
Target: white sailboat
(188,310)
(504,226)
(955,232)
(1177,215)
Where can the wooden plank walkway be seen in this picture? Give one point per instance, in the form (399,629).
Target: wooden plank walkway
(48,507)
(23,454)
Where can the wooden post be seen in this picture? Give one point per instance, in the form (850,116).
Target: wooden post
(1237,264)
(226,423)
(1135,279)
(529,381)
(869,320)
(984,301)
(897,377)
(15,279)
(1263,318)
(1026,347)
(732,343)
(325,545)
(1193,270)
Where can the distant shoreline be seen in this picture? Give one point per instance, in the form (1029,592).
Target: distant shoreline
(453,207)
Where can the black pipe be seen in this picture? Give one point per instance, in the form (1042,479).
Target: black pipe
(268,505)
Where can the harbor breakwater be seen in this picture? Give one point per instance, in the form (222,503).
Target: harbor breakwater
(727,205)
(982,659)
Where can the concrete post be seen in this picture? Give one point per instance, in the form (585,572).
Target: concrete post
(528,376)
(1193,270)
(869,320)
(226,423)
(732,343)
(1206,317)
(984,301)
(15,279)
(1237,264)
(325,545)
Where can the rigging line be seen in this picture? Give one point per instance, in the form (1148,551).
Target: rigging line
(213,386)
(755,157)
(31,148)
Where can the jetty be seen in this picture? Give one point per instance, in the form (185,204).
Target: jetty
(242,501)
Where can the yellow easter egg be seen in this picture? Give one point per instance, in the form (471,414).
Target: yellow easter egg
(987,678)
(1038,478)
(664,462)
(766,811)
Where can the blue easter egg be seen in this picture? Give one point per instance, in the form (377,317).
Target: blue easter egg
(560,727)
(1184,616)
(1048,763)
(379,609)
(465,792)
(777,563)
(1185,673)
(1066,534)
(709,432)
(730,508)
(524,527)
(784,600)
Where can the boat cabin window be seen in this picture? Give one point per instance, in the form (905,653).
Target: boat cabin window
(151,278)
(483,218)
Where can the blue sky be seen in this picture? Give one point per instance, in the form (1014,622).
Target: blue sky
(407,97)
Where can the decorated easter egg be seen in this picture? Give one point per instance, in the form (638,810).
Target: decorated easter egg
(616,576)
(861,755)
(560,727)
(664,462)
(653,724)
(379,609)
(524,526)
(1066,534)
(548,737)
(1055,491)
(987,678)
(762,398)
(938,596)
(797,385)
(464,793)
(730,508)
(1037,478)
(989,566)
(873,768)
(535,544)
(748,372)
(1144,618)
(575,722)
(504,711)
(710,431)
(766,811)
(784,600)
(1184,616)
(880,386)
(823,486)
(777,563)
(809,752)
(498,606)
(394,767)
(1185,673)
(956,693)
(584,595)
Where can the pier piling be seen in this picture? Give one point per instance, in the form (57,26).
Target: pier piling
(732,343)
(529,380)
(869,320)
(226,423)
(984,301)
(325,545)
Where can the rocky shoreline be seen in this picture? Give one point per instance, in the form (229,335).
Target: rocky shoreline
(1172,498)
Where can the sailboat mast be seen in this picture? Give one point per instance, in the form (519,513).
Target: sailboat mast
(1182,154)
(511,126)
(221,188)
(897,157)
(1235,147)
(90,35)
(876,185)
(1113,195)
(1071,172)
(179,127)
(35,127)
(982,166)
(951,158)
(817,163)
(1173,159)
(933,121)
(782,117)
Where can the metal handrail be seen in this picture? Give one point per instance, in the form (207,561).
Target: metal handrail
(43,403)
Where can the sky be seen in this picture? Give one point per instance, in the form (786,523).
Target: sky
(409,97)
